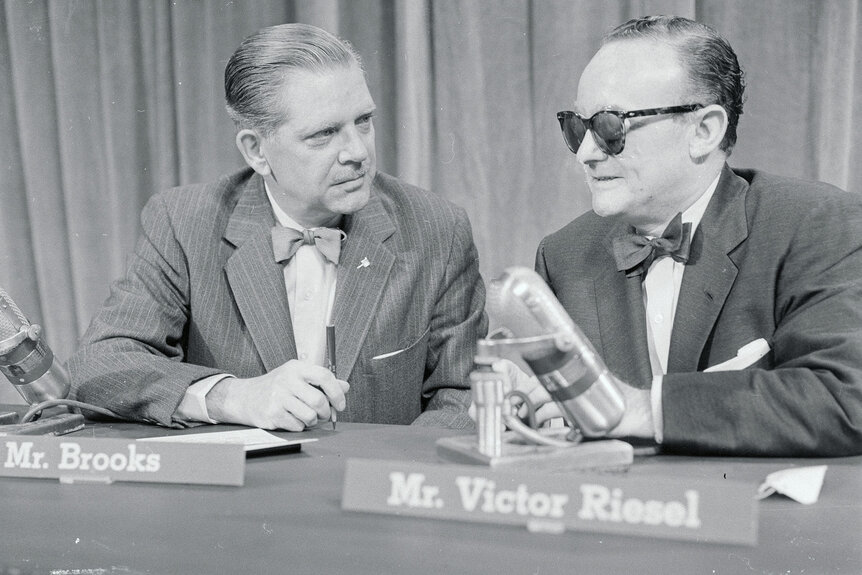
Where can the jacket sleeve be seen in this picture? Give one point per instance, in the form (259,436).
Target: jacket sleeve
(808,401)
(130,360)
(458,321)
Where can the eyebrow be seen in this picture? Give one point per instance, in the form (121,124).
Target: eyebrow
(312,130)
(580,110)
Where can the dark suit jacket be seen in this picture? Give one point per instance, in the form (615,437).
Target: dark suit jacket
(203,295)
(773,257)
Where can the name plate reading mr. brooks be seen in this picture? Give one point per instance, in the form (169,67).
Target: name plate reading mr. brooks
(671,508)
(105,460)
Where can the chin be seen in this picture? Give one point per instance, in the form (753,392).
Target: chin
(354,201)
(608,203)
(606,209)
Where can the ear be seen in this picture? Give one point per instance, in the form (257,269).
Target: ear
(710,124)
(249,144)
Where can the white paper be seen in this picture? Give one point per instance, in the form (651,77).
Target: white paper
(252,439)
(801,484)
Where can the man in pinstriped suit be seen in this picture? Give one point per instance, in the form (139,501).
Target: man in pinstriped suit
(211,324)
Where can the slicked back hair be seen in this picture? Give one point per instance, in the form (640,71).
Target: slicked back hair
(714,73)
(255,74)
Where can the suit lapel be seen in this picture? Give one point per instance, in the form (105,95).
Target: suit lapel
(363,271)
(709,274)
(256,279)
(623,330)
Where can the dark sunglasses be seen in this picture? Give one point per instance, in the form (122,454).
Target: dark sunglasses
(608,126)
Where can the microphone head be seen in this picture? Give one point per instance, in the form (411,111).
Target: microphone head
(25,358)
(508,310)
(11,318)
(522,301)
(572,372)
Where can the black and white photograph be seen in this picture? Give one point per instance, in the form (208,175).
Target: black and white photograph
(430,286)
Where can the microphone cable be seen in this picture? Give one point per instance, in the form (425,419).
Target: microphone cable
(35,410)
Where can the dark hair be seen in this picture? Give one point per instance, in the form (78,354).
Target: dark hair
(713,69)
(254,75)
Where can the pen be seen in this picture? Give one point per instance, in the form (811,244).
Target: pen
(330,357)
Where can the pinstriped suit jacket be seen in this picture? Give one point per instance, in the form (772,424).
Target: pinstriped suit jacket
(204,295)
(773,257)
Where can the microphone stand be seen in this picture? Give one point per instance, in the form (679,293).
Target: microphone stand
(523,446)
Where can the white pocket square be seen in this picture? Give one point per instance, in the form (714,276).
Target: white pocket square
(745,357)
(390,354)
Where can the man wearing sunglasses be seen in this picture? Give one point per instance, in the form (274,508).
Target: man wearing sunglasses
(727,303)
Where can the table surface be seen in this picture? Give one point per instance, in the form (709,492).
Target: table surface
(287,518)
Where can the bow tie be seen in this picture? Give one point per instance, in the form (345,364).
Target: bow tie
(285,242)
(635,253)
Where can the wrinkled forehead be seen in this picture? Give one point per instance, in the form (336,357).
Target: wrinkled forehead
(631,75)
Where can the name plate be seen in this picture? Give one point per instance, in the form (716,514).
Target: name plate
(104,460)
(665,507)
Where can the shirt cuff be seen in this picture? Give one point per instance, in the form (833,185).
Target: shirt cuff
(193,407)
(657,412)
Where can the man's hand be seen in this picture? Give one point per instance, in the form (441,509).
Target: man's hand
(529,385)
(293,396)
(637,418)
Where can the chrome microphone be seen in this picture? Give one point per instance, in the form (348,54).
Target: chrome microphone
(569,367)
(25,359)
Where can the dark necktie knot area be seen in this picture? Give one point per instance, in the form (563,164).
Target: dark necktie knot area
(634,253)
(286,242)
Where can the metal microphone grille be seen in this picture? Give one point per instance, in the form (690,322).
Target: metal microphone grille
(8,313)
(510,310)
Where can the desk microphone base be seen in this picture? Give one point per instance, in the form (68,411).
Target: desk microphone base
(606,454)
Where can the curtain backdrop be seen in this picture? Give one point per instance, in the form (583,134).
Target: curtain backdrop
(103,103)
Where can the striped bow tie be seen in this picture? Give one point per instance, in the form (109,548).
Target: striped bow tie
(285,242)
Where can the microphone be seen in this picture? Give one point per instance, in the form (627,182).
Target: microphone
(30,366)
(25,358)
(574,375)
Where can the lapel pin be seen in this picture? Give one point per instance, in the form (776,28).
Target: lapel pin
(364,263)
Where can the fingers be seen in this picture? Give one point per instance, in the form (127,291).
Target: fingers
(547,412)
(538,396)
(288,422)
(323,379)
(294,396)
(518,378)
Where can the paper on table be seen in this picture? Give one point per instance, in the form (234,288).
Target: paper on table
(801,484)
(252,439)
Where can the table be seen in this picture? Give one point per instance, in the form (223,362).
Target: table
(287,518)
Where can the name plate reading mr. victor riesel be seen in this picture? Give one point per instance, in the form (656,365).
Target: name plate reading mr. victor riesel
(666,507)
(73,459)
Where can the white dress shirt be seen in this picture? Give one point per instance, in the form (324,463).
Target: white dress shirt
(309,279)
(661,292)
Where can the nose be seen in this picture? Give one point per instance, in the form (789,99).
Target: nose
(589,151)
(355,148)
